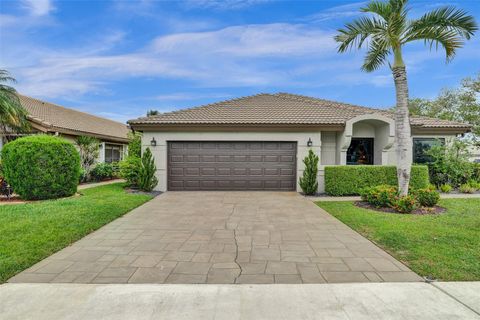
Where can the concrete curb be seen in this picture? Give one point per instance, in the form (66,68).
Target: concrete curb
(316,301)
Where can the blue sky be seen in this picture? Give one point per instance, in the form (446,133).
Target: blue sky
(118,59)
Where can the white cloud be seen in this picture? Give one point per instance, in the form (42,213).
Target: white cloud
(257,55)
(38,7)
(337,12)
(279,39)
(232,56)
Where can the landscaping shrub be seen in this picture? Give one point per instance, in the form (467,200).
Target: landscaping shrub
(308,182)
(476,171)
(5,189)
(466,188)
(380,196)
(450,164)
(89,149)
(427,197)
(446,188)
(135,144)
(102,171)
(147,180)
(130,170)
(41,167)
(350,180)
(474,184)
(405,204)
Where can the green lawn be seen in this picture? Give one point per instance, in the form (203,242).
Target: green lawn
(446,247)
(31,232)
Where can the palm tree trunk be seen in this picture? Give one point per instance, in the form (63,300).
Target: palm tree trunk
(402,130)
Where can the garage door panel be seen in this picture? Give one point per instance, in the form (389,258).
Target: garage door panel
(208,171)
(176,158)
(255,159)
(207,158)
(223,171)
(240,158)
(255,171)
(288,159)
(271,158)
(211,165)
(287,172)
(192,171)
(176,172)
(239,171)
(271,171)
(191,158)
(224,158)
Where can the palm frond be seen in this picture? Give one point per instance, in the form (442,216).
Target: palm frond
(447,27)
(377,54)
(12,115)
(434,38)
(398,5)
(381,8)
(6,77)
(354,34)
(448,18)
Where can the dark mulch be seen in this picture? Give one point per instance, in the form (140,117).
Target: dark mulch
(420,211)
(12,199)
(138,191)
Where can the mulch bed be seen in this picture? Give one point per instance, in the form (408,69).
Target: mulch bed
(11,200)
(137,191)
(419,211)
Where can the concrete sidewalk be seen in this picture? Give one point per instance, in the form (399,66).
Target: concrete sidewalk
(97,184)
(295,301)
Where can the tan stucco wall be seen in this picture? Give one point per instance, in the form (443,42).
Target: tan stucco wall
(160,150)
(325,145)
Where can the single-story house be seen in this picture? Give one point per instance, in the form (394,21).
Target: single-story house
(258,142)
(49,118)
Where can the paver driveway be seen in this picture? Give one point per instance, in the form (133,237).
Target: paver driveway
(222,237)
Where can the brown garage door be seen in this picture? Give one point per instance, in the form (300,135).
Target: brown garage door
(216,165)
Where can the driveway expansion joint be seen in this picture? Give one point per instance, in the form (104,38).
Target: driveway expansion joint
(454,298)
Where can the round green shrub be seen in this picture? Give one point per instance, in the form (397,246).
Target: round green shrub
(427,197)
(405,204)
(103,171)
(130,170)
(41,167)
(380,196)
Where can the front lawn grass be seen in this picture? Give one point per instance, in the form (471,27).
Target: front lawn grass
(33,231)
(445,247)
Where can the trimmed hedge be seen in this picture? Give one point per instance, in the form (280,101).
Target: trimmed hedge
(350,180)
(41,167)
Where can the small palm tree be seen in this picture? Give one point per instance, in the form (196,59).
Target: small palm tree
(13,116)
(385,32)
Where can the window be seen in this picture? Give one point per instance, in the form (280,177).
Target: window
(421,146)
(360,151)
(113,153)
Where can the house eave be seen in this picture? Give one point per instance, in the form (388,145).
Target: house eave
(45,127)
(236,127)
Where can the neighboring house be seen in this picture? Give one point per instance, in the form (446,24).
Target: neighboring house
(258,142)
(49,118)
(474,153)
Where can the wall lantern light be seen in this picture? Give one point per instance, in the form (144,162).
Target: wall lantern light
(153,142)
(309,142)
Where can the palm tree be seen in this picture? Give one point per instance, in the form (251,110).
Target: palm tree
(13,116)
(385,32)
